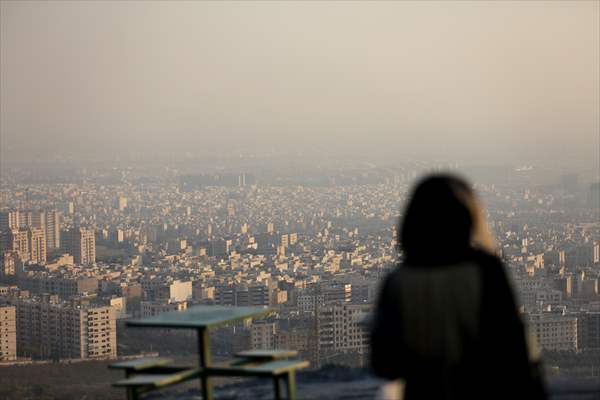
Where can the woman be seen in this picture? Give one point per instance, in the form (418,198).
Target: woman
(446,322)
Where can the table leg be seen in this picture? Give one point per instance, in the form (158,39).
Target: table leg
(132,394)
(204,353)
(291,385)
(276,387)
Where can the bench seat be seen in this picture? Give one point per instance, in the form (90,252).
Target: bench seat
(141,364)
(146,382)
(265,369)
(277,370)
(267,354)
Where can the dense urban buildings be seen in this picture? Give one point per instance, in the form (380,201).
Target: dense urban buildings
(76,259)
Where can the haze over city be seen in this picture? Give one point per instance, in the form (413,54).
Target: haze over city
(473,82)
(343,199)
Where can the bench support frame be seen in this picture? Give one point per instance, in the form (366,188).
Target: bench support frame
(276,372)
(205,361)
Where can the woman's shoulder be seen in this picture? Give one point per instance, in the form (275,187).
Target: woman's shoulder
(488,265)
(485,258)
(492,268)
(394,275)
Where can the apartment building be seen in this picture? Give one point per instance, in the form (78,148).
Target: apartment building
(52,225)
(37,245)
(16,240)
(152,308)
(9,220)
(340,328)
(263,335)
(554,332)
(245,295)
(51,330)
(63,286)
(588,329)
(8,333)
(324,293)
(81,244)
(10,266)
(47,220)
(175,291)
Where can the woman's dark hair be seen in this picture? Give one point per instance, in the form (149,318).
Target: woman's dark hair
(438,222)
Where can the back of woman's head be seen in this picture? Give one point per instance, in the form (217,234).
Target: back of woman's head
(440,220)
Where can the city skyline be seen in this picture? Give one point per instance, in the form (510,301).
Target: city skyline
(259,169)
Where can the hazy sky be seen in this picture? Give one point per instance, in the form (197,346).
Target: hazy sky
(468,80)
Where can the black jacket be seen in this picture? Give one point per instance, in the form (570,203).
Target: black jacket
(452,331)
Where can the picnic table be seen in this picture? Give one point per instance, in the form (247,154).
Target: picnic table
(148,374)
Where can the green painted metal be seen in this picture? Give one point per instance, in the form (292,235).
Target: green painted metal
(291,385)
(252,363)
(268,369)
(201,317)
(267,354)
(163,369)
(276,387)
(132,394)
(205,362)
(162,376)
(158,380)
(141,364)
(280,366)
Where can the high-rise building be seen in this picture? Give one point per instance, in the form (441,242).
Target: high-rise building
(81,244)
(24,218)
(49,221)
(16,240)
(340,328)
(37,245)
(64,331)
(9,220)
(285,240)
(52,229)
(8,333)
(245,179)
(588,329)
(116,236)
(231,206)
(5,242)
(121,203)
(10,266)
(36,219)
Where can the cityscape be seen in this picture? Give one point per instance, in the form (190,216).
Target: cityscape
(81,258)
(208,199)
